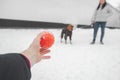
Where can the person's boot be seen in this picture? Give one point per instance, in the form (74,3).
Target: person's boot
(101,42)
(93,42)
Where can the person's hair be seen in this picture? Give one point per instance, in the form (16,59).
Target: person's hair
(103,6)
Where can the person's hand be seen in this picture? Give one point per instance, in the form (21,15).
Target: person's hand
(35,53)
(92,23)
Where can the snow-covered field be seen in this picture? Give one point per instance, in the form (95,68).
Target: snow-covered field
(79,61)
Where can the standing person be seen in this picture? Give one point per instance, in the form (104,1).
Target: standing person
(102,13)
(15,66)
(67,32)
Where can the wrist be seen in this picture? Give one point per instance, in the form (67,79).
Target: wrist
(29,56)
(27,60)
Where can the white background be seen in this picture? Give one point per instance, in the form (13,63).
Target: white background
(65,11)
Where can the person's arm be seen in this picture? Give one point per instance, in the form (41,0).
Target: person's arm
(14,66)
(34,53)
(94,16)
(109,10)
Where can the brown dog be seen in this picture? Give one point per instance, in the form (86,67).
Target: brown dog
(67,32)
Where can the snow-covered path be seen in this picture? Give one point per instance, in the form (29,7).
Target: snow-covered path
(79,61)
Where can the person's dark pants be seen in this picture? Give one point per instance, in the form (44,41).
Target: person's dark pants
(96,27)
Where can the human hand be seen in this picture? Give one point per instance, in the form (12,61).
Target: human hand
(92,23)
(35,53)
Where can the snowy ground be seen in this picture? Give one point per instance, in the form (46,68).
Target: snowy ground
(79,61)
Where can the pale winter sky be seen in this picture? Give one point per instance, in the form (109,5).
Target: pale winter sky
(64,11)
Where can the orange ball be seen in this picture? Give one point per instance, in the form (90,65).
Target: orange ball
(47,40)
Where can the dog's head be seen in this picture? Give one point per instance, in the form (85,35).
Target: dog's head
(70,27)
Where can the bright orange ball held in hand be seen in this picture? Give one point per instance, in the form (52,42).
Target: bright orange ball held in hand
(47,40)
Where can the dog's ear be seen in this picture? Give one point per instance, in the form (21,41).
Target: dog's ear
(72,27)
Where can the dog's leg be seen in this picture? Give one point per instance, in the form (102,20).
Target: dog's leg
(65,41)
(65,38)
(70,42)
(61,40)
(70,38)
(62,34)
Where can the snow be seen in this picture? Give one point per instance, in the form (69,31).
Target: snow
(79,61)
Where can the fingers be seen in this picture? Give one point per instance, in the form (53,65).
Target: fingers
(46,57)
(39,36)
(44,51)
(37,40)
(42,55)
(43,58)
